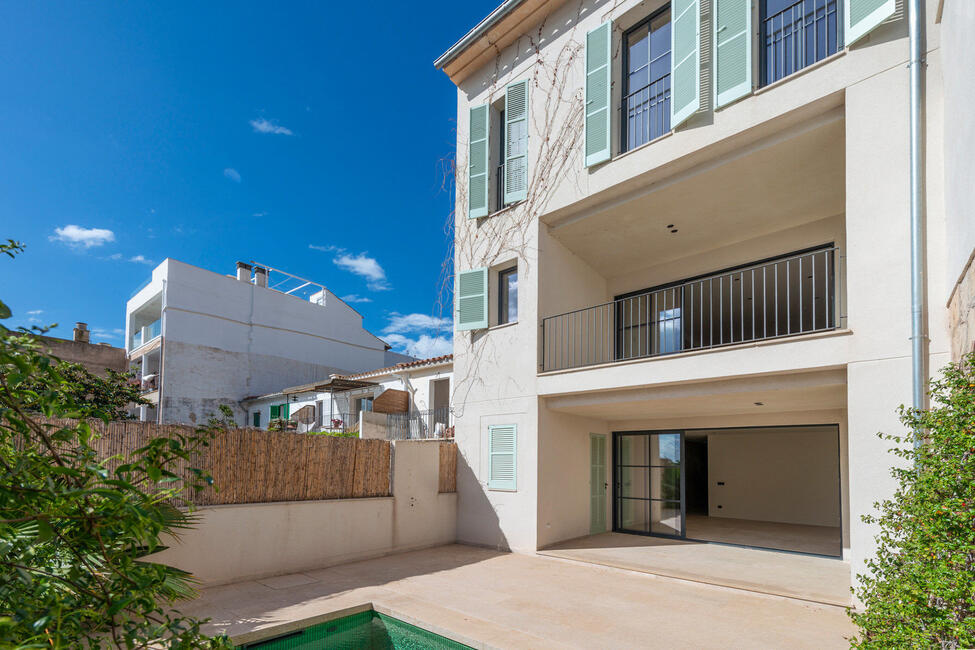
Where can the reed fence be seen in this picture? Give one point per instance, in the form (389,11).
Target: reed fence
(257,466)
(448,467)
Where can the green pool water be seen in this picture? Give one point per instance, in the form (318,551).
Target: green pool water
(364,631)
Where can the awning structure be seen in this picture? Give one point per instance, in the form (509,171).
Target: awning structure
(333,385)
(341,385)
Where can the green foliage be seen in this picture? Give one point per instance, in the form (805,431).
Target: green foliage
(921,591)
(110,395)
(335,434)
(75,529)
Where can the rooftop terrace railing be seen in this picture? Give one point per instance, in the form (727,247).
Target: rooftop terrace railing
(787,296)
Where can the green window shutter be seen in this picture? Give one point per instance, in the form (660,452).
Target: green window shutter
(285,411)
(477,162)
(732,50)
(275,411)
(598,87)
(516,142)
(472,299)
(863,16)
(685,60)
(503,447)
(257,419)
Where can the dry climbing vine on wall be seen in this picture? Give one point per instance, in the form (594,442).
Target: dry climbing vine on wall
(556,116)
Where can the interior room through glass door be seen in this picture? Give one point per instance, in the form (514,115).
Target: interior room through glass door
(649,483)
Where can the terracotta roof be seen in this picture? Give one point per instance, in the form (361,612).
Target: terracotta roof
(406,365)
(339,383)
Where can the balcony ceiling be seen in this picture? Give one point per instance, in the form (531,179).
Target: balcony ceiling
(789,182)
(783,393)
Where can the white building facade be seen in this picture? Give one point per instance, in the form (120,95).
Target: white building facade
(411,399)
(198,340)
(701,209)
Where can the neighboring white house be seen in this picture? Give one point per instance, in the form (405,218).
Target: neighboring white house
(682,261)
(198,340)
(411,399)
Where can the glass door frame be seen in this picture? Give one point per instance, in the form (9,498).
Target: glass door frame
(617,528)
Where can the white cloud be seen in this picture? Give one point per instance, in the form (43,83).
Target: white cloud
(33,316)
(262,125)
(366,267)
(419,335)
(139,259)
(115,256)
(80,237)
(404,323)
(232,174)
(106,333)
(425,346)
(354,297)
(324,249)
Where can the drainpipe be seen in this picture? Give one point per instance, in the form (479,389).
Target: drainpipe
(918,339)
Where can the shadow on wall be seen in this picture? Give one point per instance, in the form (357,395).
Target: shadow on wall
(477,521)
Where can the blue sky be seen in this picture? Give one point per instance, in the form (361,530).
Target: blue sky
(309,137)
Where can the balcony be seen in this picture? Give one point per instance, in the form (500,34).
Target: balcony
(786,296)
(145,334)
(797,36)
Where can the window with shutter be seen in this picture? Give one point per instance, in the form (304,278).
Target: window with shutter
(732,50)
(257,419)
(503,449)
(598,88)
(863,16)
(472,299)
(478,177)
(647,76)
(516,142)
(685,60)
(275,411)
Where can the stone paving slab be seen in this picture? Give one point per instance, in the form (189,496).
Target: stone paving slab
(502,600)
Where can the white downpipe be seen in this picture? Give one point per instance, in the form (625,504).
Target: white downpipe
(918,338)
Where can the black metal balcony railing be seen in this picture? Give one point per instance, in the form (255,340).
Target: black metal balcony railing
(798,36)
(798,294)
(421,425)
(645,114)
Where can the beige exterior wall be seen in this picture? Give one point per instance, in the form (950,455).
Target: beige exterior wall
(785,475)
(243,542)
(835,136)
(959,143)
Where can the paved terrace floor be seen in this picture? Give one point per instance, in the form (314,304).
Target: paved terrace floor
(502,600)
(820,579)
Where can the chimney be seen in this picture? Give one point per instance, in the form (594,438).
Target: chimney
(260,276)
(81,332)
(243,272)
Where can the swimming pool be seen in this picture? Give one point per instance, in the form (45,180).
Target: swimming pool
(367,630)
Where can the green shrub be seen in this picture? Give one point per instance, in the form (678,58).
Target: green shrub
(75,529)
(921,589)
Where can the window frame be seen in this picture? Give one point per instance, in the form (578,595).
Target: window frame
(504,317)
(256,419)
(625,75)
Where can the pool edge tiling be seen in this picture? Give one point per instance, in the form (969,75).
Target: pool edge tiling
(366,628)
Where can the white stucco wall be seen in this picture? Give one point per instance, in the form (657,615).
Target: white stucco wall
(959,141)
(224,340)
(241,542)
(862,95)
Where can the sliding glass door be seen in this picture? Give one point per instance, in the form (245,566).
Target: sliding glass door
(649,483)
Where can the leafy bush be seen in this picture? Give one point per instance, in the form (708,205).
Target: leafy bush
(921,590)
(75,528)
